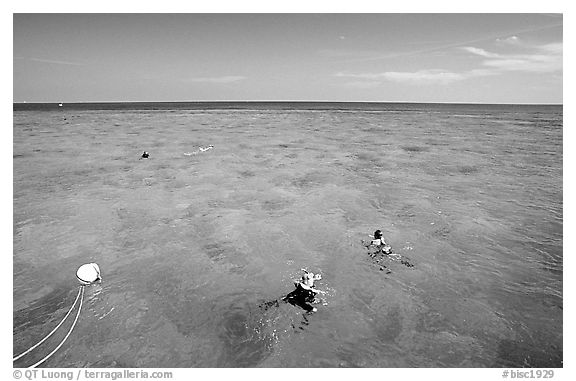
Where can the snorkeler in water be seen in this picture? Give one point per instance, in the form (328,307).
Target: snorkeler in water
(305,293)
(145,155)
(379,249)
(379,243)
(201,149)
(303,296)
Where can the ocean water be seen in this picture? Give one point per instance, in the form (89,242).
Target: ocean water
(192,244)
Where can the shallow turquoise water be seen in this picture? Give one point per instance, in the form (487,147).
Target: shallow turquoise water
(191,245)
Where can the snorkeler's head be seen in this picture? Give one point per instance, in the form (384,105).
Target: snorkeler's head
(377,234)
(308,279)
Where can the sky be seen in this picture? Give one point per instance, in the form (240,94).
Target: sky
(461,58)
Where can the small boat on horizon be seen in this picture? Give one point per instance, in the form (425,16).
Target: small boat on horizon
(60,104)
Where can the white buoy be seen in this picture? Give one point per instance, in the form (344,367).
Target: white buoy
(88,273)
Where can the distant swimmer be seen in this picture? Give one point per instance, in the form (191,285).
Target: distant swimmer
(145,155)
(201,149)
(378,249)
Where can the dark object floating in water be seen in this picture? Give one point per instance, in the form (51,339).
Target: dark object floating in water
(414,149)
(467,169)
(145,155)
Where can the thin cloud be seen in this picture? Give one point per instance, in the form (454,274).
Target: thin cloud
(555,47)
(420,77)
(224,79)
(423,76)
(480,52)
(542,58)
(512,40)
(49,61)
(534,63)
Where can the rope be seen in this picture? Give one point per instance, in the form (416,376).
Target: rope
(54,330)
(66,337)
